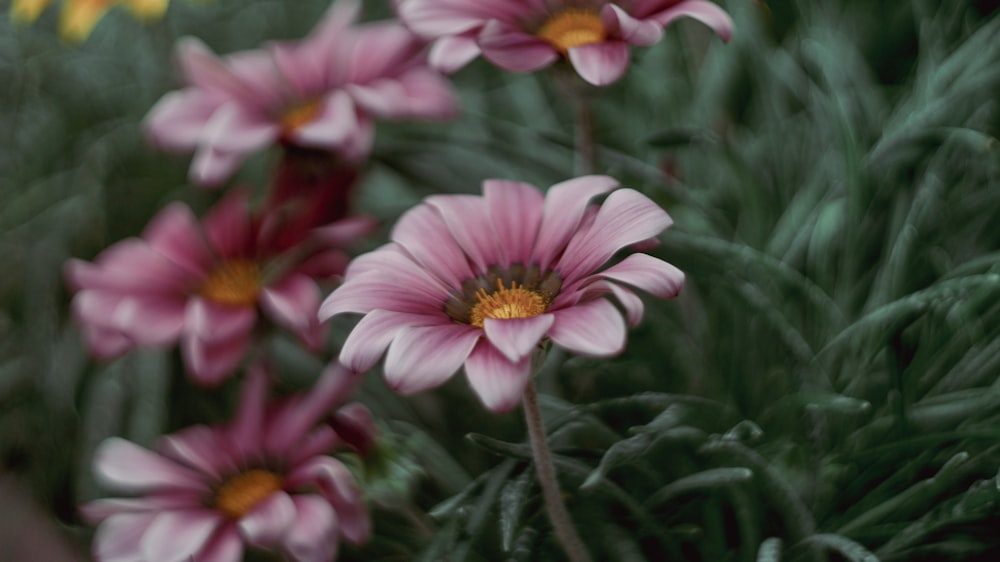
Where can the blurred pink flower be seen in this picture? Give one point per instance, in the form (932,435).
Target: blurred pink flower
(205,285)
(481,281)
(526,35)
(320,93)
(262,479)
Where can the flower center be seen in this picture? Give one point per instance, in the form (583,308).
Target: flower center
(300,115)
(233,282)
(241,493)
(504,304)
(573,27)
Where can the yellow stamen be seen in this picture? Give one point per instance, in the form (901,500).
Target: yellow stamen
(573,27)
(300,115)
(234,282)
(504,303)
(240,494)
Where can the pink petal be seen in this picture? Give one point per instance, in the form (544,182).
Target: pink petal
(448,54)
(565,205)
(335,123)
(335,482)
(118,539)
(99,510)
(176,121)
(179,535)
(211,167)
(128,467)
(248,424)
(210,362)
(176,234)
(216,322)
(516,212)
(631,302)
(263,85)
(292,303)
(594,329)
(269,521)
(233,128)
(424,357)
(198,448)
(355,424)
(332,389)
(142,320)
(621,25)
(423,232)
(626,217)
(647,273)
(380,49)
(225,546)
(313,537)
(323,41)
(201,68)
(133,266)
(468,220)
(600,63)
(347,231)
(369,339)
(106,344)
(302,66)
(433,18)
(513,50)
(516,338)
(227,226)
(498,382)
(706,12)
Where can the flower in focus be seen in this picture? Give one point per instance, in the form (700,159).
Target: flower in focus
(78,17)
(320,93)
(263,479)
(526,35)
(205,285)
(481,281)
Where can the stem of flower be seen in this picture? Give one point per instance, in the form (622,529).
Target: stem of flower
(554,506)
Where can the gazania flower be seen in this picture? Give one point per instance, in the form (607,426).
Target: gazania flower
(205,285)
(78,17)
(481,281)
(320,93)
(262,480)
(526,35)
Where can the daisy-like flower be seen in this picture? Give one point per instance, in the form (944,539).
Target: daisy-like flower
(526,35)
(481,281)
(205,285)
(320,93)
(78,17)
(264,479)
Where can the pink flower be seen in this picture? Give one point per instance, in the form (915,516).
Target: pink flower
(205,286)
(526,35)
(481,281)
(263,479)
(320,93)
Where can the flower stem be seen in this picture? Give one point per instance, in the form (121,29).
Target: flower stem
(554,506)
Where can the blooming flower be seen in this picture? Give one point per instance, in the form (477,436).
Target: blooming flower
(262,479)
(481,281)
(526,35)
(78,17)
(319,93)
(205,285)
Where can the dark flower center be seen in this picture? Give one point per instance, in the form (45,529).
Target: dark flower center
(238,495)
(233,282)
(504,293)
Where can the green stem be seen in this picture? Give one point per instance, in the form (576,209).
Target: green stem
(554,506)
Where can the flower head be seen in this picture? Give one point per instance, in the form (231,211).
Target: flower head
(526,35)
(205,285)
(481,281)
(262,479)
(78,17)
(322,92)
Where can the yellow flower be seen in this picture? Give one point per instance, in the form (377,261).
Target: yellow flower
(78,17)
(27,11)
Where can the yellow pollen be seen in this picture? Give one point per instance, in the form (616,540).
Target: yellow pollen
(241,493)
(504,304)
(234,282)
(300,115)
(573,27)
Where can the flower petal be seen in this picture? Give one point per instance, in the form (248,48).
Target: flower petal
(99,510)
(292,303)
(126,466)
(179,535)
(469,222)
(177,121)
(514,50)
(626,217)
(225,546)
(647,273)
(118,539)
(198,448)
(516,338)
(516,212)
(638,32)
(706,12)
(423,232)
(498,382)
(565,205)
(269,521)
(175,233)
(600,63)
(424,357)
(248,424)
(369,339)
(211,166)
(335,482)
(313,537)
(631,302)
(448,54)
(337,120)
(594,329)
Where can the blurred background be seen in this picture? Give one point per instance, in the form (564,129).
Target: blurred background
(826,384)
